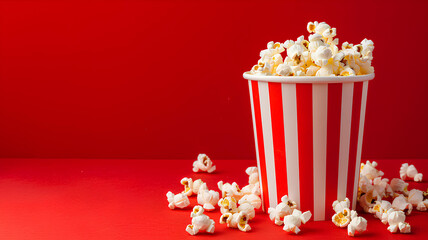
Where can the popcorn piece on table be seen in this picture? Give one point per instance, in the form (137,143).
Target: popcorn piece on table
(401,203)
(179,200)
(207,198)
(380,208)
(358,224)
(381,187)
(292,222)
(203,164)
(369,170)
(342,218)
(407,171)
(396,221)
(191,187)
(286,207)
(230,190)
(398,185)
(253,186)
(248,208)
(236,220)
(367,201)
(418,199)
(338,206)
(365,185)
(200,222)
(253,199)
(227,205)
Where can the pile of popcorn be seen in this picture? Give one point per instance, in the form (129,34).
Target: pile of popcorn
(320,56)
(391,201)
(237,206)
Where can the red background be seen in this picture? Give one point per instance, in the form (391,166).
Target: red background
(163,79)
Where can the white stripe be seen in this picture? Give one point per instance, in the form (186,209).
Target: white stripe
(289,104)
(345,136)
(255,139)
(360,142)
(268,142)
(319,109)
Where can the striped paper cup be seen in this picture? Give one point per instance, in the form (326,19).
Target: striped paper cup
(308,133)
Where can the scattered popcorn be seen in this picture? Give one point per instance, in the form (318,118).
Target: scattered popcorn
(253,186)
(230,190)
(191,187)
(252,199)
(396,219)
(200,222)
(236,220)
(340,206)
(380,208)
(179,200)
(381,187)
(400,203)
(369,170)
(407,171)
(320,56)
(365,185)
(398,185)
(292,222)
(286,207)
(203,164)
(207,198)
(227,205)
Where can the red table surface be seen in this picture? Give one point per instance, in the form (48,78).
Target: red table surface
(125,199)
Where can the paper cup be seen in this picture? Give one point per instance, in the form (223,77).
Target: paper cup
(308,133)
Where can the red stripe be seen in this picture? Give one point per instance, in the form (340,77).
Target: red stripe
(355,127)
(334,106)
(305,142)
(278,135)
(259,130)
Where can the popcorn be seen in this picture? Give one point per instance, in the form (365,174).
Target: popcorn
(236,220)
(380,208)
(253,186)
(367,201)
(321,50)
(230,190)
(369,170)
(398,185)
(179,200)
(339,206)
(286,207)
(358,224)
(396,219)
(252,199)
(292,222)
(381,187)
(400,203)
(342,218)
(227,205)
(248,208)
(203,164)
(207,198)
(200,222)
(411,172)
(417,199)
(365,185)
(190,186)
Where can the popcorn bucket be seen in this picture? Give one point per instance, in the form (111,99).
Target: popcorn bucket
(308,134)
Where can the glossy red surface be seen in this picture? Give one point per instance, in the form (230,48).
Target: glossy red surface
(163,79)
(125,199)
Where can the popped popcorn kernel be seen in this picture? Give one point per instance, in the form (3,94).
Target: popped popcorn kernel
(294,221)
(230,190)
(396,221)
(410,171)
(286,207)
(200,222)
(342,218)
(207,198)
(236,220)
(179,200)
(401,203)
(228,205)
(203,164)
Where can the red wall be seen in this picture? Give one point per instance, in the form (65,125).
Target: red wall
(163,79)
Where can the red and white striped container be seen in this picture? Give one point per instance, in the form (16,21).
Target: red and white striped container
(308,133)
